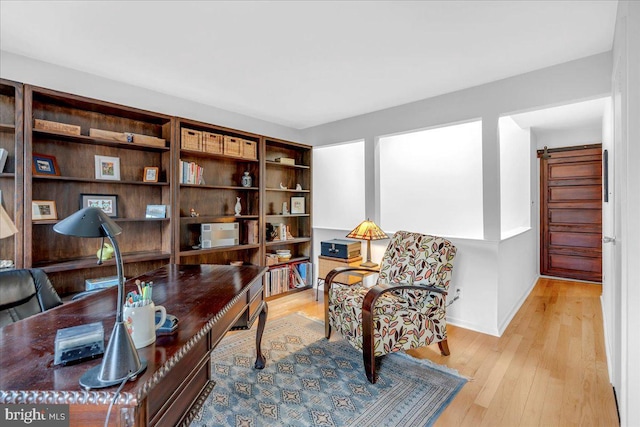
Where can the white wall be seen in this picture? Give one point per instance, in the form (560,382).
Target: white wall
(626,315)
(568,138)
(515,178)
(493,279)
(29,71)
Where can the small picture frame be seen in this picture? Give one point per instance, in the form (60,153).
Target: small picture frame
(45,165)
(107,168)
(297,205)
(42,210)
(156,211)
(151,174)
(107,202)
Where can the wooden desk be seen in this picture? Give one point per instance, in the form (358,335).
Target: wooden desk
(207,299)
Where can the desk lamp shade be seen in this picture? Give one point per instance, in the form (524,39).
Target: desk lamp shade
(120,360)
(367,230)
(7,228)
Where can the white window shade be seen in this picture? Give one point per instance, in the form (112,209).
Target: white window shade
(431,181)
(338,185)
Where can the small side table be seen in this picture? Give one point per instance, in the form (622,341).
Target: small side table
(326,264)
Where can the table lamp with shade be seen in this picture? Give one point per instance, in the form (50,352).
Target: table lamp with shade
(120,360)
(367,230)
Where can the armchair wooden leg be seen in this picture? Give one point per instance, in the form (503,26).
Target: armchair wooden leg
(369,364)
(444,348)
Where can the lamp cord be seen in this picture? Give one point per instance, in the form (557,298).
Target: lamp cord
(115,397)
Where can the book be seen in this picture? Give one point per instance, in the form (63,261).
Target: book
(3,158)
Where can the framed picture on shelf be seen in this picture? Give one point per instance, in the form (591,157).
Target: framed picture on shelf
(156,211)
(107,202)
(43,209)
(45,165)
(297,205)
(108,168)
(151,174)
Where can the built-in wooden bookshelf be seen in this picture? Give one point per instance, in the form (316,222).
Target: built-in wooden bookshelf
(81,128)
(145,242)
(287,203)
(213,199)
(11,175)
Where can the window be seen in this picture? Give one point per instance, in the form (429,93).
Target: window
(431,181)
(338,185)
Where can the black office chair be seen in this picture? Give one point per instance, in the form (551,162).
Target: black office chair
(23,293)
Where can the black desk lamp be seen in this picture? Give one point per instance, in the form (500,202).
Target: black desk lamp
(120,360)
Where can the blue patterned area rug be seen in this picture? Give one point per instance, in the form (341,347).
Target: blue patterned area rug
(309,381)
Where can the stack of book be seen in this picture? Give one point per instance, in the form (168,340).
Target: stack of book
(191,173)
(282,278)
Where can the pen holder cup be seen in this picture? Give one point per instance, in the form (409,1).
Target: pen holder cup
(141,323)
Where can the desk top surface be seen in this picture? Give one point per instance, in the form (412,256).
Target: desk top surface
(195,294)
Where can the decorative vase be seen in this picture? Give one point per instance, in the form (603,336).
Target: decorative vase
(238,207)
(246,180)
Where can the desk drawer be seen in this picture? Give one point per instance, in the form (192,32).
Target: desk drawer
(172,387)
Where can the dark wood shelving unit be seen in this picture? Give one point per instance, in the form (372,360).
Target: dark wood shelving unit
(215,199)
(145,243)
(11,177)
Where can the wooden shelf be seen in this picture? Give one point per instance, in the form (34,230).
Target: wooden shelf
(205,154)
(290,261)
(7,127)
(92,262)
(219,187)
(189,252)
(215,218)
(272,163)
(288,242)
(102,181)
(285,215)
(82,139)
(288,190)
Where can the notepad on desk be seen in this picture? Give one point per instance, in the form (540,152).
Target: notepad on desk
(170,325)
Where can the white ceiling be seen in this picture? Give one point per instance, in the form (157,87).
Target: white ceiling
(304,63)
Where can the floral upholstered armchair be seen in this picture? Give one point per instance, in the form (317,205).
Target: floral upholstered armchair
(407,306)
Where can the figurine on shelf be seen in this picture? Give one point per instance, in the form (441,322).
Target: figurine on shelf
(193,213)
(298,187)
(285,209)
(105,252)
(289,235)
(282,187)
(238,207)
(246,180)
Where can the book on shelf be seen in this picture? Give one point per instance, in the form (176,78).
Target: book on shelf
(191,173)
(3,158)
(283,278)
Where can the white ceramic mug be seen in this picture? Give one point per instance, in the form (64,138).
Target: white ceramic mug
(141,323)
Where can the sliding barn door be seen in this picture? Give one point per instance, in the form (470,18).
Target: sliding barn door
(571,213)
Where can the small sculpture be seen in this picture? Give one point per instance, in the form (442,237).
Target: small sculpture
(193,213)
(282,187)
(247,180)
(298,187)
(105,252)
(238,207)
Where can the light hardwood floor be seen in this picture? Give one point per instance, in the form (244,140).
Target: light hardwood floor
(547,369)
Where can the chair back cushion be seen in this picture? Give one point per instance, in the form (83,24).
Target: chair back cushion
(417,259)
(23,293)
